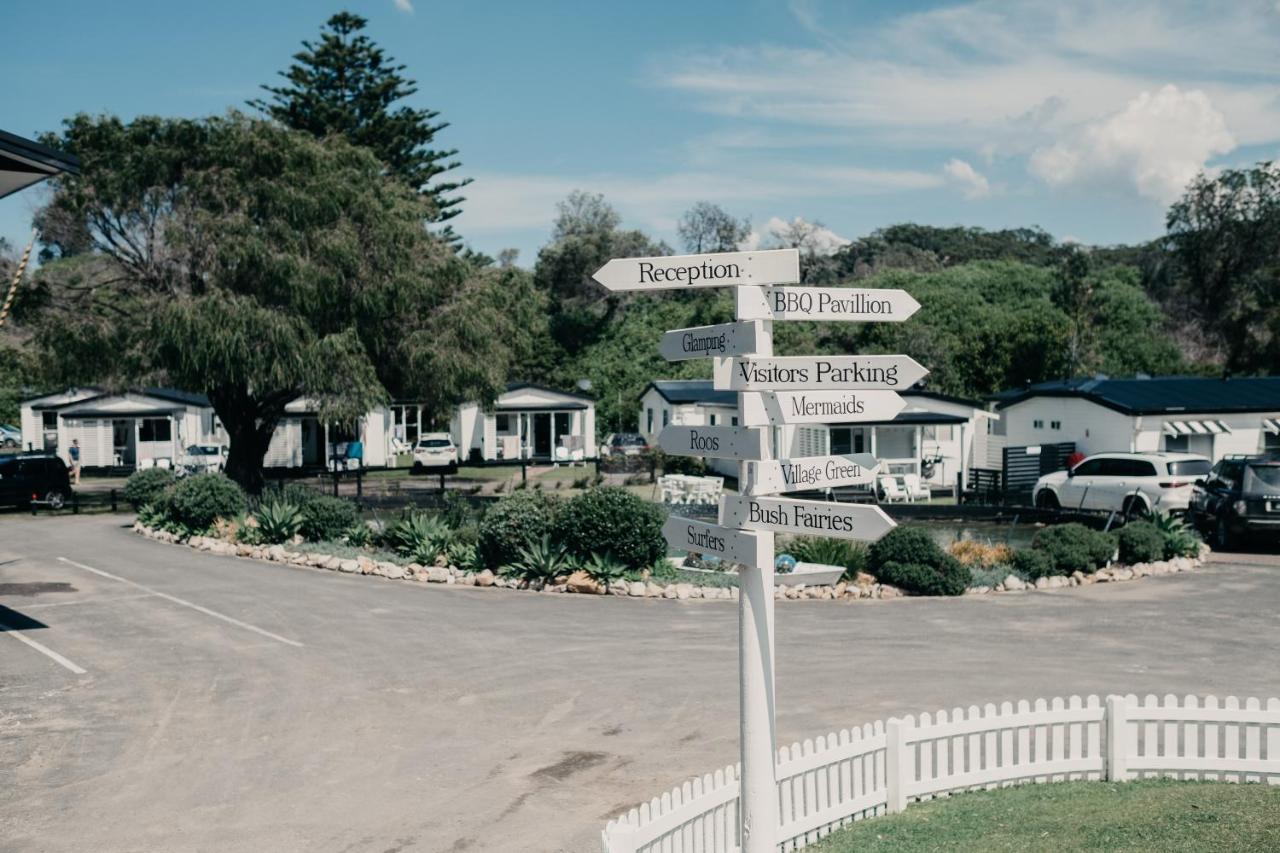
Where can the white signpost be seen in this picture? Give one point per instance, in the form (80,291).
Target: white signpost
(817,372)
(744,547)
(772,266)
(826,303)
(723,340)
(803,473)
(714,442)
(807,389)
(770,408)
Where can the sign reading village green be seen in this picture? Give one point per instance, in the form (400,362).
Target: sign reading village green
(720,341)
(866,522)
(813,472)
(769,408)
(734,546)
(723,269)
(818,372)
(713,442)
(826,303)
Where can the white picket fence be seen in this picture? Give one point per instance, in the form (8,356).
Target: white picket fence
(826,783)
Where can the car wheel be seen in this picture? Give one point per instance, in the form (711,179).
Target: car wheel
(1222,538)
(417,467)
(55,499)
(9,442)
(1135,507)
(1046,499)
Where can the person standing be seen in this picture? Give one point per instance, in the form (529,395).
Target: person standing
(74,453)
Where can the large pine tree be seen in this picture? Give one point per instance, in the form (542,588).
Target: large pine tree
(346,85)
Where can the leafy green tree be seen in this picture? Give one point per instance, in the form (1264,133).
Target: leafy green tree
(347,85)
(255,264)
(1073,293)
(707,227)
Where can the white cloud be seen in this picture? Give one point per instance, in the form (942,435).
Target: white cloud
(970,180)
(1156,144)
(405,6)
(803,234)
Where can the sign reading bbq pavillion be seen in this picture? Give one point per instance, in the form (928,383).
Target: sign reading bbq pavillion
(773,392)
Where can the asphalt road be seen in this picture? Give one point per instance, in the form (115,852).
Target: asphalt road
(230,705)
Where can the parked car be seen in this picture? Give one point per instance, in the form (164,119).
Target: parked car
(1239,497)
(27,478)
(627,444)
(1136,484)
(10,436)
(435,451)
(203,458)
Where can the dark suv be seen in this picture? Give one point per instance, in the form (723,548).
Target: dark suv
(1238,497)
(38,478)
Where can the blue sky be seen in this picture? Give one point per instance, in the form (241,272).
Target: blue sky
(1082,117)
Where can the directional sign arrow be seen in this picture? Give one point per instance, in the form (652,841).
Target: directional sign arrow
(866,522)
(769,408)
(723,340)
(723,269)
(855,304)
(713,442)
(818,372)
(735,546)
(813,472)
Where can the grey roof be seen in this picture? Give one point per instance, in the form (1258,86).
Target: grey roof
(1161,395)
(678,391)
(516,386)
(24,162)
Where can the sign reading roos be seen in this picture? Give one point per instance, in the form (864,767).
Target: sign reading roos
(826,303)
(768,408)
(735,546)
(723,269)
(813,472)
(818,372)
(713,442)
(721,341)
(816,518)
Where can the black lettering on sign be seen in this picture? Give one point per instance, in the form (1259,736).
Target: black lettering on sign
(703,442)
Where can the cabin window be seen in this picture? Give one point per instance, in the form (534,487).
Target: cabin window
(502,423)
(666,416)
(50,420)
(1055,424)
(154,429)
(733,421)
(713,420)
(1037,424)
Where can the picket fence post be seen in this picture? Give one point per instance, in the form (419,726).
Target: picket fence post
(1117,739)
(895,763)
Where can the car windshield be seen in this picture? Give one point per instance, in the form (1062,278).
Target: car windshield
(1262,478)
(628,439)
(1190,468)
(434,442)
(203,450)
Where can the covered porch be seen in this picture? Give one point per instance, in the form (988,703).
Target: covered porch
(930,445)
(540,435)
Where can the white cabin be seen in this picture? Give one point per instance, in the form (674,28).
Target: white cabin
(527,422)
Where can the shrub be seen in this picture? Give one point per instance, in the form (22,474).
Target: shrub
(196,501)
(1140,542)
(1074,548)
(147,487)
(830,552)
(462,555)
(904,545)
(511,523)
(971,552)
(326,518)
(693,466)
(1031,564)
(1179,539)
(944,577)
(278,521)
(611,518)
(420,536)
(358,535)
(292,493)
(540,559)
(988,577)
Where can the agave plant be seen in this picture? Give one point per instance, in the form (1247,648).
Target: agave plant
(278,521)
(1179,539)
(463,556)
(603,568)
(358,535)
(540,559)
(420,536)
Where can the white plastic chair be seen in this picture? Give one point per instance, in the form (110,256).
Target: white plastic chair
(671,490)
(892,491)
(915,488)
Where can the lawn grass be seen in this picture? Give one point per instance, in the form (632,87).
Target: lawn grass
(1151,815)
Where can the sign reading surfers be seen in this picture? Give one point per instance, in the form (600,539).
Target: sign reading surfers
(818,372)
(713,442)
(825,303)
(734,546)
(723,269)
(813,472)
(866,522)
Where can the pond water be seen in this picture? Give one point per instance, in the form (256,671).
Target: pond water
(987,532)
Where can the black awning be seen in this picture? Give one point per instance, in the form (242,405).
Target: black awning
(24,162)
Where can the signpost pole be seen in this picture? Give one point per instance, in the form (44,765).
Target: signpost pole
(758,800)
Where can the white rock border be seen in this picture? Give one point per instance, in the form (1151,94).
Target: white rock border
(864,588)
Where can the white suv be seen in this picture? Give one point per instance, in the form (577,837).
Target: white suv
(1132,483)
(435,451)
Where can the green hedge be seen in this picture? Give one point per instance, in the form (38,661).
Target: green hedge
(1141,542)
(147,487)
(198,500)
(611,520)
(908,558)
(326,518)
(511,523)
(1032,564)
(1074,548)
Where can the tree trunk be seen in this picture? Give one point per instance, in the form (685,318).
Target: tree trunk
(249,423)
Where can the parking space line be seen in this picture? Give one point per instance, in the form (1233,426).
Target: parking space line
(44,650)
(81,601)
(215,614)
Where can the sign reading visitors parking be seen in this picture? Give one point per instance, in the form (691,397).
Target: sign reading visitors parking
(854,304)
(818,373)
(866,522)
(769,408)
(721,341)
(723,269)
(713,442)
(813,472)
(734,546)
